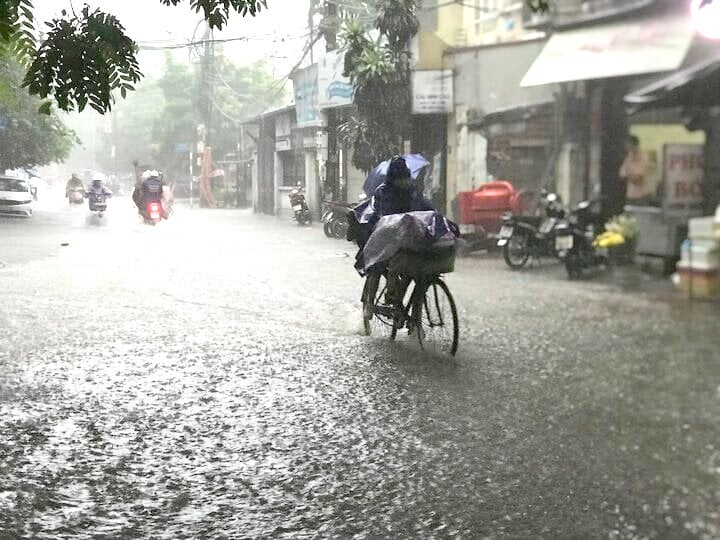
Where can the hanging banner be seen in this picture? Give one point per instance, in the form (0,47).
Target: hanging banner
(305,85)
(684,171)
(432,91)
(334,90)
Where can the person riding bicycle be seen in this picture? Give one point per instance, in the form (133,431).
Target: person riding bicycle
(397,195)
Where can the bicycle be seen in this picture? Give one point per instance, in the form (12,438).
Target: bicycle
(427,308)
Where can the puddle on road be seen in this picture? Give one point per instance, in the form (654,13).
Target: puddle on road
(334,256)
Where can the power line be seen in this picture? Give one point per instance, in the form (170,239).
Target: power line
(284,80)
(148,45)
(281,83)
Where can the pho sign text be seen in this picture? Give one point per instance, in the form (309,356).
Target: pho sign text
(683,177)
(432,91)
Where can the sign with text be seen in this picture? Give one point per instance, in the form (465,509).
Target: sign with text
(282,145)
(283,125)
(432,91)
(305,86)
(334,90)
(684,168)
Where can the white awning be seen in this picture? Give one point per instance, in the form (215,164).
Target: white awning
(638,46)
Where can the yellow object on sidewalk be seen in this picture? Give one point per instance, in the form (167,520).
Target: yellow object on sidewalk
(609,239)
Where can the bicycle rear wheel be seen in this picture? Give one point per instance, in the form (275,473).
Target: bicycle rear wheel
(439,329)
(376,320)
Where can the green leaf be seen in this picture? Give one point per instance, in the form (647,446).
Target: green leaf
(45,108)
(380,71)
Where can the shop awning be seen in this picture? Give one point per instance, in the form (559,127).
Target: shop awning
(697,86)
(630,47)
(477,120)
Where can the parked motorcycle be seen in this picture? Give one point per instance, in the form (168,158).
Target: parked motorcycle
(522,237)
(575,240)
(301,211)
(334,218)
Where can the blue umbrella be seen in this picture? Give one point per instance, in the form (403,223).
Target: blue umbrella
(415,162)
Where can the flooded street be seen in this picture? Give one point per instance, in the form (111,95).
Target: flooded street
(206,378)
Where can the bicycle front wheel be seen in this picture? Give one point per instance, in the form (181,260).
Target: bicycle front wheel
(439,329)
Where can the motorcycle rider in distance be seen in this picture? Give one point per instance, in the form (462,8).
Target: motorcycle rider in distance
(73,184)
(150,189)
(97,187)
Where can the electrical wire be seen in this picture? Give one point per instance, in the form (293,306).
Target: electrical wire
(312,40)
(148,45)
(276,94)
(463,4)
(285,79)
(226,84)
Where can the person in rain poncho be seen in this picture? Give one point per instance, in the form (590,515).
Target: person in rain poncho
(97,187)
(397,195)
(72,184)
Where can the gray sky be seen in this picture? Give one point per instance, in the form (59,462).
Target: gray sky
(277,35)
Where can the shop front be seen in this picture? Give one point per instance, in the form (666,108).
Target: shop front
(289,171)
(519,144)
(323,99)
(678,118)
(497,129)
(432,102)
(647,164)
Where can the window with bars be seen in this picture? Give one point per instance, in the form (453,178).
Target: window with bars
(566,12)
(488,11)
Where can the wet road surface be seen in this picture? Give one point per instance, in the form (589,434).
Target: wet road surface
(206,378)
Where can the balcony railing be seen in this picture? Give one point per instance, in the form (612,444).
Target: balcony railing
(565,13)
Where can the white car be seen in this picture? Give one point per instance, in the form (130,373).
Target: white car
(15,197)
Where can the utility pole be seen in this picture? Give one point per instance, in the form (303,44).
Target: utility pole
(204,129)
(311,28)
(245,164)
(207,86)
(238,163)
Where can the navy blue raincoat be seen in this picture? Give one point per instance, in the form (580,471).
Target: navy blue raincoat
(385,201)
